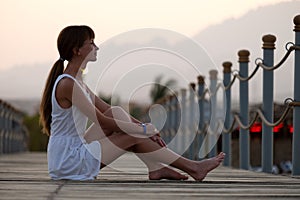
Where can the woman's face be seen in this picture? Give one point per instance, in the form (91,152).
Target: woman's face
(89,50)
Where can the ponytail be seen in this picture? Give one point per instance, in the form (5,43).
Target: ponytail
(46,105)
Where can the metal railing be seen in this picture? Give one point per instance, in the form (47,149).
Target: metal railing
(13,134)
(193,141)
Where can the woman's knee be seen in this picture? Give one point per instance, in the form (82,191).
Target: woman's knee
(117,112)
(112,109)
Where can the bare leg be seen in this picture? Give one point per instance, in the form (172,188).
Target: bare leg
(156,170)
(159,171)
(112,148)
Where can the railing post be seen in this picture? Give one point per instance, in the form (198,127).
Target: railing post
(172,130)
(159,115)
(156,115)
(192,119)
(183,123)
(200,133)
(244,104)
(213,98)
(226,137)
(267,106)
(177,113)
(167,132)
(10,132)
(5,127)
(296,116)
(165,120)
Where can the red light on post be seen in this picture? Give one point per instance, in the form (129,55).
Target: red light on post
(291,128)
(256,128)
(277,128)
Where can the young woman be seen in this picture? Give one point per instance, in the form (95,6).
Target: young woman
(77,153)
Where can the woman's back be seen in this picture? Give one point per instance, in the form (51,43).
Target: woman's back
(69,156)
(66,121)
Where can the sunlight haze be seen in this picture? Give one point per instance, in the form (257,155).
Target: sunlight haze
(30,28)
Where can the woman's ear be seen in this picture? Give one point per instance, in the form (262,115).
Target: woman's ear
(76,51)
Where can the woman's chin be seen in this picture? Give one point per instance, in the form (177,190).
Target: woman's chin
(93,59)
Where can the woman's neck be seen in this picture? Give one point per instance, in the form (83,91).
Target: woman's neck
(75,69)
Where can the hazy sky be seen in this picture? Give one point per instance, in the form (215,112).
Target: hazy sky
(29,28)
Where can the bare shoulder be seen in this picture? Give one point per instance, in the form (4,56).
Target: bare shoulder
(65,85)
(64,91)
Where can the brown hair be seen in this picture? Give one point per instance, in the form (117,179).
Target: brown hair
(69,38)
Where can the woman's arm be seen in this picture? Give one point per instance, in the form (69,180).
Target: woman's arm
(73,93)
(100,104)
(103,106)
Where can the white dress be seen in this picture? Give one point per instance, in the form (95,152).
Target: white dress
(69,156)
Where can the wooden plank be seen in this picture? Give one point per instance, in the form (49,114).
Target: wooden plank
(25,176)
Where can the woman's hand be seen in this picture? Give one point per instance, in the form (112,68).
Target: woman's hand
(156,138)
(150,129)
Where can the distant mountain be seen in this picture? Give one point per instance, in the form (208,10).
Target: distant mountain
(23,82)
(223,41)
(22,86)
(28,106)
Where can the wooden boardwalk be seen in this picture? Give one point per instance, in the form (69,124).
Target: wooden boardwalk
(24,176)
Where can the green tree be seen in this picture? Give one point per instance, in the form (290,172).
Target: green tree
(37,140)
(160,89)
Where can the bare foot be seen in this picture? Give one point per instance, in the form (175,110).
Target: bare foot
(205,166)
(166,173)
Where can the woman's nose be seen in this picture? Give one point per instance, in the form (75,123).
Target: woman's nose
(97,48)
